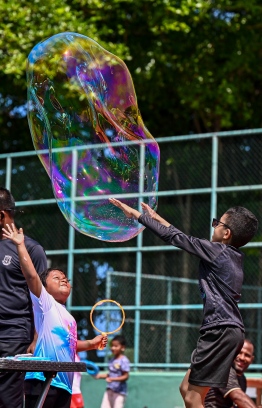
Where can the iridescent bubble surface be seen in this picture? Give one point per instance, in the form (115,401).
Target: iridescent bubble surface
(82,96)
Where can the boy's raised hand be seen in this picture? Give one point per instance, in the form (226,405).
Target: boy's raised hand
(149,211)
(128,211)
(12,233)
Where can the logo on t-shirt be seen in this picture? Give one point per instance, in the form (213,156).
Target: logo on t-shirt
(7,260)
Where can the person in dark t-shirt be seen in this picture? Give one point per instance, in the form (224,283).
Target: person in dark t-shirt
(16,315)
(220,282)
(233,395)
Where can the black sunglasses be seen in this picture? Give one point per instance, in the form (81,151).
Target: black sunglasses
(215,223)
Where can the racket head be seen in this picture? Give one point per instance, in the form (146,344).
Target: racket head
(110,312)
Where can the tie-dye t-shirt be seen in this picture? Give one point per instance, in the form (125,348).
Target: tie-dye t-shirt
(57,336)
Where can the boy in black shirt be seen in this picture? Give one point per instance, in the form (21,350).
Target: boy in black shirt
(220,282)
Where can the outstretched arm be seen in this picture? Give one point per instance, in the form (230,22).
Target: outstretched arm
(202,248)
(101,376)
(122,377)
(132,213)
(108,379)
(28,269)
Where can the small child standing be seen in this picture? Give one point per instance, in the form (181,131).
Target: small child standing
(119,367)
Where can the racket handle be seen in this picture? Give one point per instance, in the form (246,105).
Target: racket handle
(101,347)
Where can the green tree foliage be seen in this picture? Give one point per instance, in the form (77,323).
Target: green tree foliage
(196,64)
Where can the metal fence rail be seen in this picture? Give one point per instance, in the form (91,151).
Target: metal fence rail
(200,177)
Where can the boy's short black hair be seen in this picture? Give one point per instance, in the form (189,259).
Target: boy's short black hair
(120,339)
(243,225)
(44,274)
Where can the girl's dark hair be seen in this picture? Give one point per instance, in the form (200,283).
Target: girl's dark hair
(43,275)
(120,339)
(243,225)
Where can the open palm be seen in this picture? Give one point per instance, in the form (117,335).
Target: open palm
(148,210)
(128,211)
(12,233)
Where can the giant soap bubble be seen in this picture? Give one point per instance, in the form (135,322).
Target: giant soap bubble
(82,110)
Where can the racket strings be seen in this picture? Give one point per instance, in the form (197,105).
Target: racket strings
(107,316)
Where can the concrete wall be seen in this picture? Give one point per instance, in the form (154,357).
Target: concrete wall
(145,390)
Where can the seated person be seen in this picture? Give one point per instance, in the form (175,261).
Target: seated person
(233,395)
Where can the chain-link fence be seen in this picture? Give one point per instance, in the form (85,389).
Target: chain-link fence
(201,176)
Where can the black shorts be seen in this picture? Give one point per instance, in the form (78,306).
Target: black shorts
(214,355)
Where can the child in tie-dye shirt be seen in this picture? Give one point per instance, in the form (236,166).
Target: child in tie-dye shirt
(55,326)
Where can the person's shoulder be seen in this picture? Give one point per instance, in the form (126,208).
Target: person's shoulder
(124,359)
(224,246)
(232,372)
(242,382)
(229,249)
(234,252)
(43,295)
(30,241)
(242,377)
(232,383)
(120,359)
(235,249)
(216,244)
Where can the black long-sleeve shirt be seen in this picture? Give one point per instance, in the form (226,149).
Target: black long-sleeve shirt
(220,273)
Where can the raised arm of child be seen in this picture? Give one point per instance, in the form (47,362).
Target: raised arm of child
(132,213)
(28,269)
(34,283)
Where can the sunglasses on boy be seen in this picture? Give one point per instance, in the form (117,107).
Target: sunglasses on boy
(215,223)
